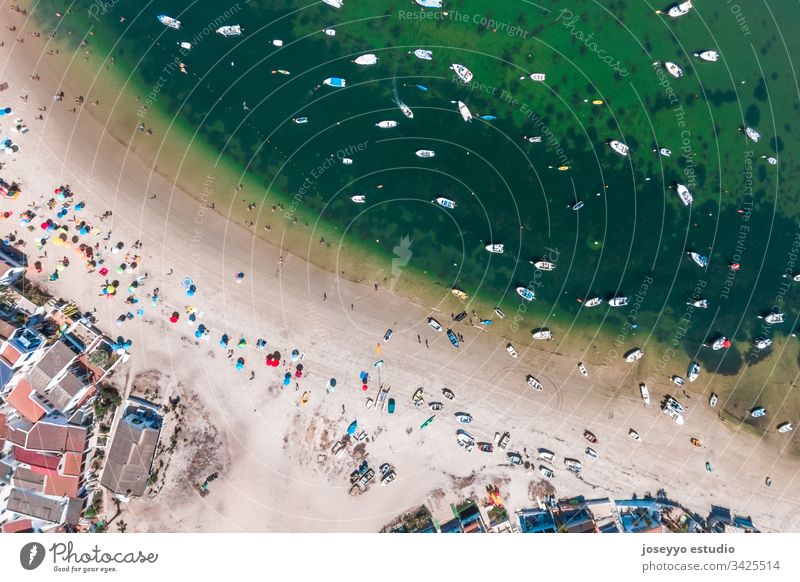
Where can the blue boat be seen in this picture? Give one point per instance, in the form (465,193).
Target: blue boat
(452,337)
(335,82)
(526,293)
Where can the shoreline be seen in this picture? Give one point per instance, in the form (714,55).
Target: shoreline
(267,472)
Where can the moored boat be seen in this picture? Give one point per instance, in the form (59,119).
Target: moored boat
(618,301)
(762,343)
(446,202)
(693,372)
(526,293)
(388,124)
(634,355)
(459,293)
(429,3)
(680,9)
(721,343)
(424,54)
(542,334)
(169,22)
(700,260)
(752,134)
(300,120)
(358,198)
(537,76)
(368,59)
(758,412)
(673,69)
(425,153)
(464,111)
(618,147)
(708,56)
(684,194)
(234,30)
(544,265)
(774,318)
(463,72)
(406,110)
(335,82)
(666,152)
(593,302)
(495,248)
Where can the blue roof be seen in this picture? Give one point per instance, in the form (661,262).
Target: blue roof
(5,374)
(452,526)
(536,521)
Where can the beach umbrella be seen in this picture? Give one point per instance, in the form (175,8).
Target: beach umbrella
(260,344)
(239,277)
(287,379)
(299,366)
(174,317)
(223,341)
(240,363)
(298,374)
(295,355)
(269,360)
(427,422)
(276,356)
(191,290)
(187,282)
(276,363)
(352,428)
(364,387)
(5,111)
(331,387)
(242,343)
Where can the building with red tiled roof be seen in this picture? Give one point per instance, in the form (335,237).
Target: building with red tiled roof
(18,526)
(3,428)
(51,434)
(43,461)
(27,401)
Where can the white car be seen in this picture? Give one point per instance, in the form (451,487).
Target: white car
(511,351)
(712,400)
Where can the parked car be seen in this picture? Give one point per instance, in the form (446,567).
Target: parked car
(390,406)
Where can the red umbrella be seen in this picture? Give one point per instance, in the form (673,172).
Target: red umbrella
(269,360)
(364,387)
(175,316)
(276,363)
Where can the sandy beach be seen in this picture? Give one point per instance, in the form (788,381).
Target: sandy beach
(265,446)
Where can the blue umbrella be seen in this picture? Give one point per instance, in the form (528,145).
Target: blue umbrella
(224,340)
(352,428)
(240,363)
(287,379)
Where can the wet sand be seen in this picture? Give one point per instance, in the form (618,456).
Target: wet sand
(274,479)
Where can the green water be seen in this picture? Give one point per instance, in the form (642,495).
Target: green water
(632,234)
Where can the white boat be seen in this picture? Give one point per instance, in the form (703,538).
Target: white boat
(674,415)
(358,198)
(234,30)
(684,194)
(386,124)
(168,21)
(511,351)
(701,303)
(347,161)
(368,59)
(534,138)
(463,72)
(464,111)
(334,3)
(463,417)
(542,334)
(593,302)
(712,400)
(673,69)
(495,248)
(429,3)
(752,134)
(446,202)
(618,301)
(544,265)
(329,31)
(772,161)
(499,313)
(785,427)
(277,42)
(591,453)
(335,82)
(526,293)
(709,56)
(634,355)
(435,325)
(680,9)
(758,412)
(300,120)
(774,318)
(670,402)
(424,54)
(573,465)
(762,343)
(618,147)
(425,153)
(537,76)
(645,392)
(582,369)
(578,205)
(406,110)
(678,380)
(693,372)
(547,472)
(701,260)
(634,435)
(534,383)
(720,343)
(187,46)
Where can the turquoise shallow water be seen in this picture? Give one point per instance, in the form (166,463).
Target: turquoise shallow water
(632,234)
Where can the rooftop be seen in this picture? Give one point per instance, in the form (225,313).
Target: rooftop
(24,399)
(132,450)
(56,359)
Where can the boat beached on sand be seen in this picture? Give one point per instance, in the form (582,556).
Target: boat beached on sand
(459,293)
(645,392)
(634,355)
(693,372)
(542,334)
